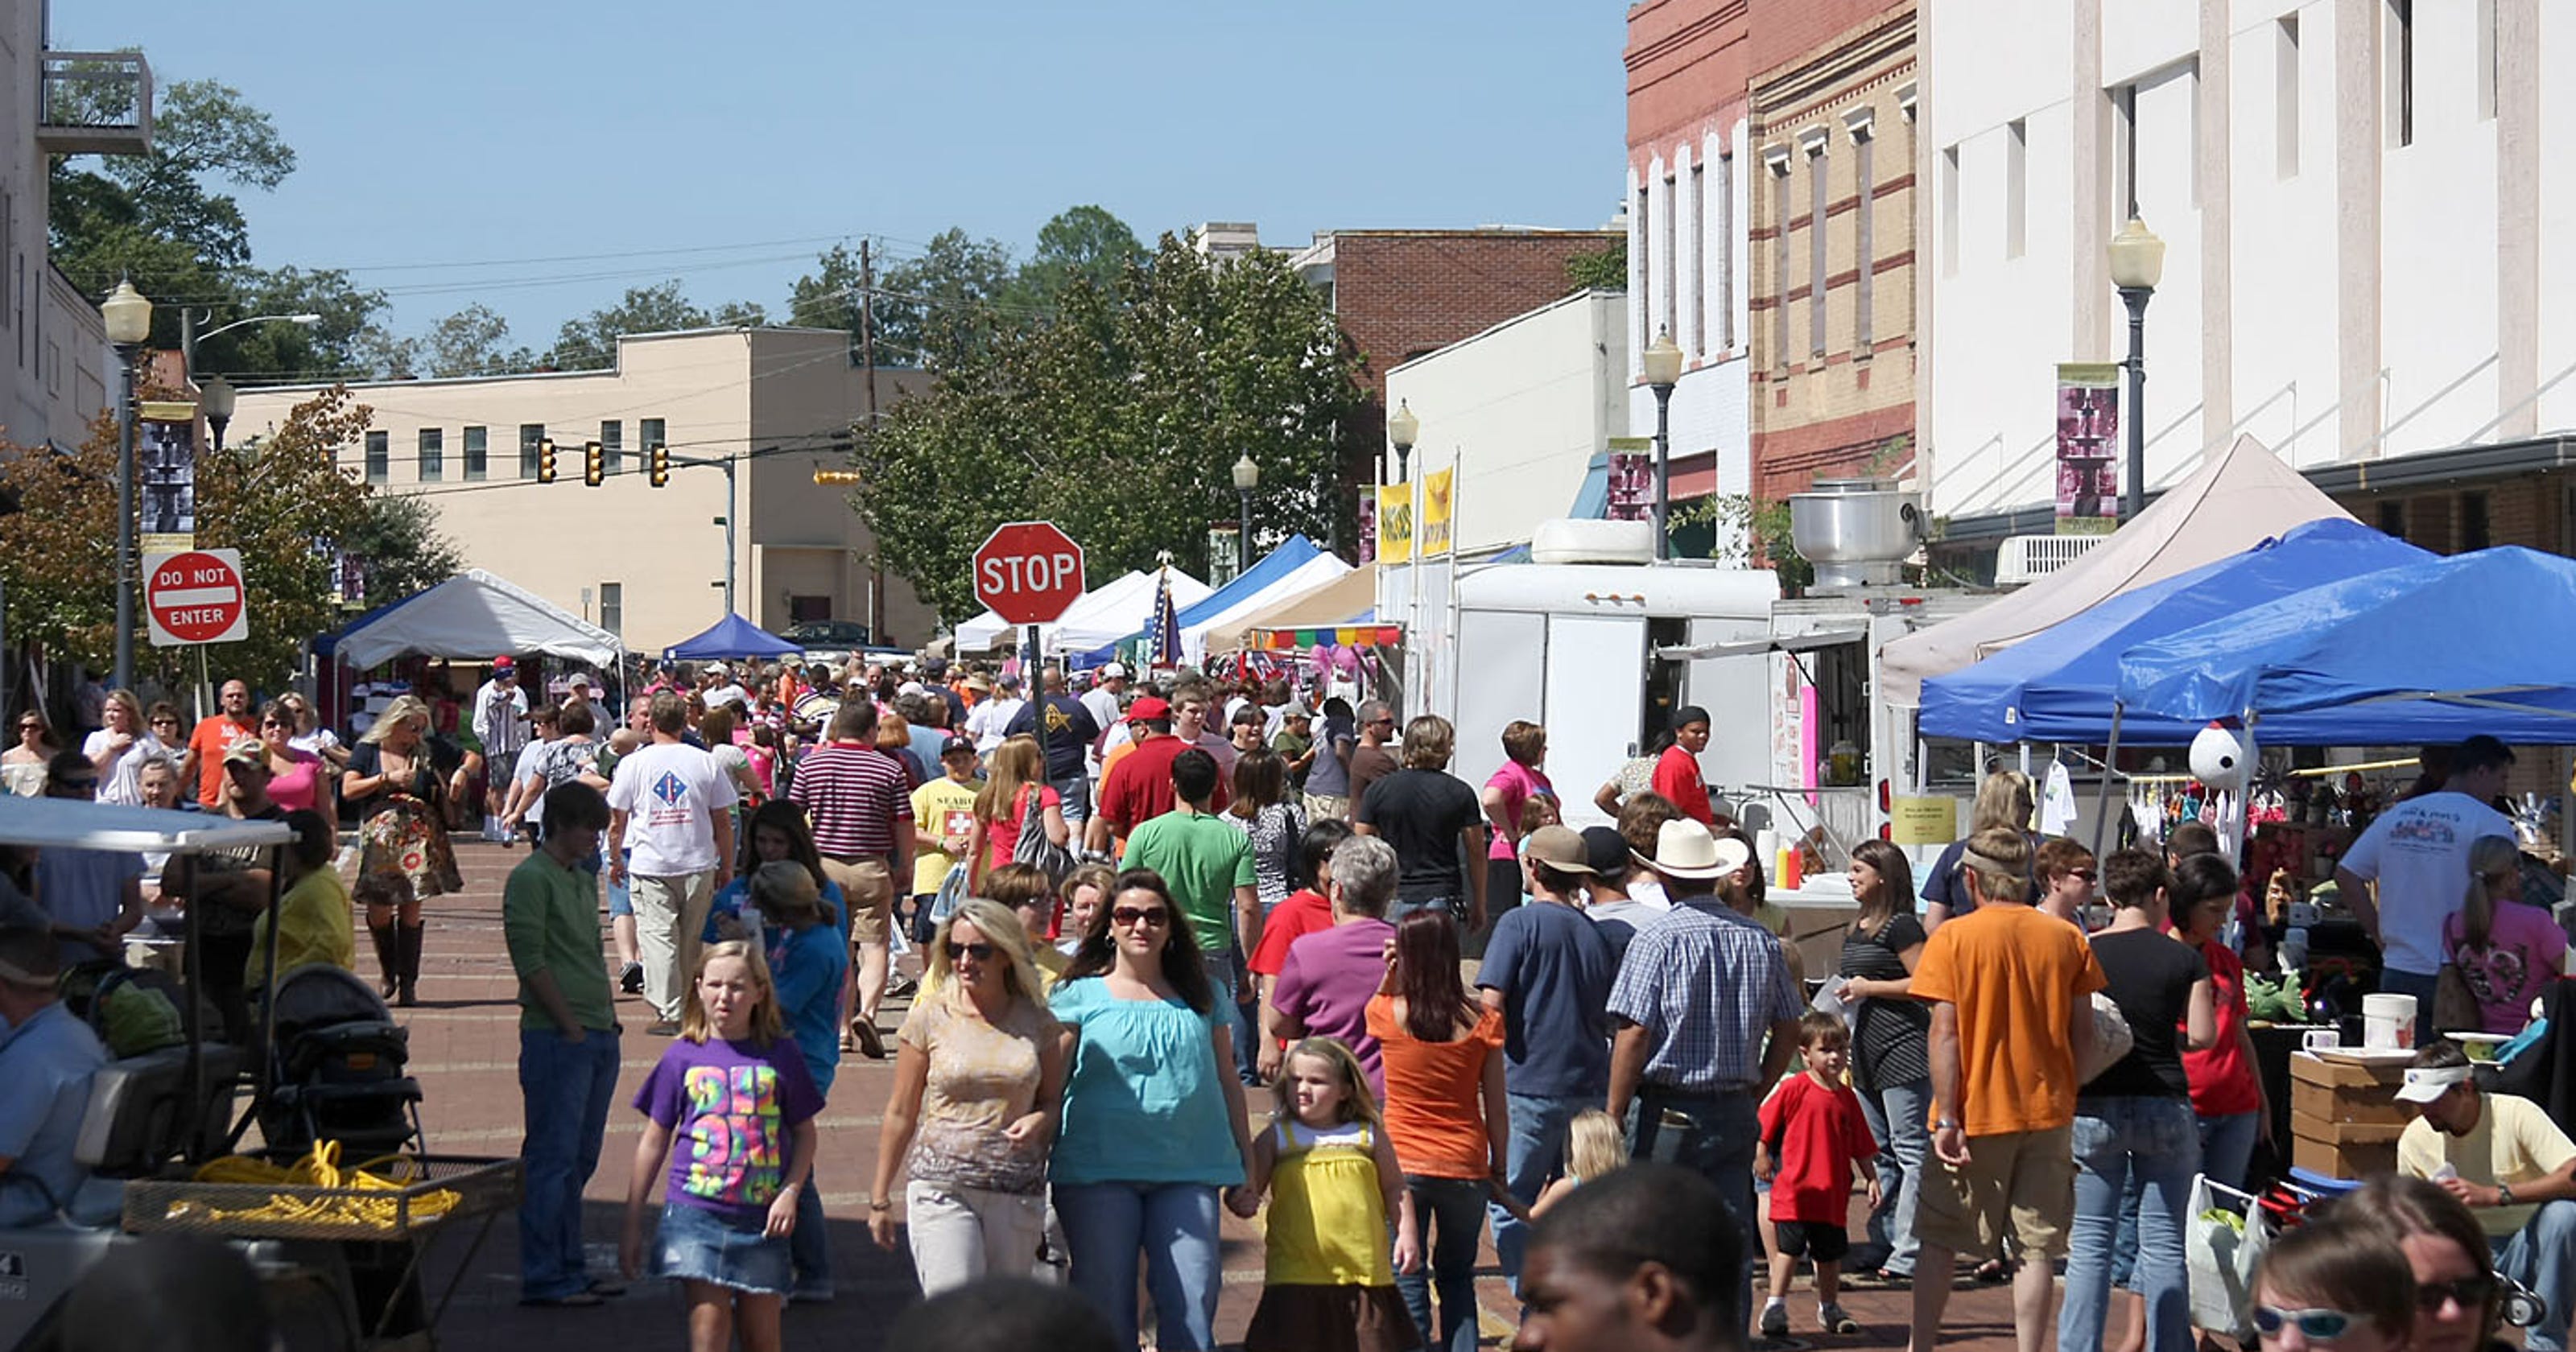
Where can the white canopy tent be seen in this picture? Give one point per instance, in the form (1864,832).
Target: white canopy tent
(1103,616)
(475,615)
(2230,504)
(1227,625)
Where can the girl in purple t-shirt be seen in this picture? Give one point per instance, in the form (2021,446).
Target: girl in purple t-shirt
(2507,951)
(736,1098)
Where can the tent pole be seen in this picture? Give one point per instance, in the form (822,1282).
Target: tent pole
(2110,768)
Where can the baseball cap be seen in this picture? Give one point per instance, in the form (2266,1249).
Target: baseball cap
(246,751)
(504,662)
(1115,671)
(719,669)
(1295,711)
(1559,848)
(2427,1083)
(956,744)
(580,680)
(1605,850)
(912,688)
(1147,709)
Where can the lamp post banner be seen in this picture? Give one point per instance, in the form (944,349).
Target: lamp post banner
(1394,524)
(1439,511)
(2088,448)
(165,465)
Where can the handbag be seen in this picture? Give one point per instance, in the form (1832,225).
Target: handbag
(2111,1039)
(1034,849)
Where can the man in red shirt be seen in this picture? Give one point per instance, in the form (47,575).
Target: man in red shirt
(206,745)
(1139,787)
(1677,774)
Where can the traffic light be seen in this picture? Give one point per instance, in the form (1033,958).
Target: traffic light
(593,464)
(546,461)
(661,466)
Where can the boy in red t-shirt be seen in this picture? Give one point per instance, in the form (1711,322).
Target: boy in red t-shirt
(1814,1140)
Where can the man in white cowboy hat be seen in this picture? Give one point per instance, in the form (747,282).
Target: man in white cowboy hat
(2510,1164)
(1697,990)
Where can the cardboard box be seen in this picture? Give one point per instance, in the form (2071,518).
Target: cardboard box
(2306,1128)
(2371,1103)
(2307,1067)
(2343,1161)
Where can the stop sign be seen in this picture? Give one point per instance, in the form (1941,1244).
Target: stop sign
(195,597)
(1028,572)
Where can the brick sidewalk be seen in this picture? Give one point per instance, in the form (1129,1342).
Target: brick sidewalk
(464,1049)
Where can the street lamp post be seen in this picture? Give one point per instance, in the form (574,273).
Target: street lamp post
(215,397)
(129,322)
(1663,371)
(1247,477)
(1401,430)
(2137,264)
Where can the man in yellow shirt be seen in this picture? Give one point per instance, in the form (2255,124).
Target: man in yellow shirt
(2512,1166)
(943,812)
(313,916)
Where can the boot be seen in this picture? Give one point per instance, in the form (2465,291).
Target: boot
(407,944)
(387,956)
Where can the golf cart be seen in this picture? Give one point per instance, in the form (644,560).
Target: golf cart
(339,1256)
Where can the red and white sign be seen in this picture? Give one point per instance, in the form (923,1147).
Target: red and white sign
(196,597)
(1028,572)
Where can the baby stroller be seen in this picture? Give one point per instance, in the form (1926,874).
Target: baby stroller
(335,1069)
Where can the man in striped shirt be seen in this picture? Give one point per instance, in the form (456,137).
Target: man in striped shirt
(860,804)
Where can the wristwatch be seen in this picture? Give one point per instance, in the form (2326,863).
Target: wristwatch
(875,1207)
(1946,1124)
(2504,1194)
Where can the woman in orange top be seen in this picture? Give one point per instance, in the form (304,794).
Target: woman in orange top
(1443,1055)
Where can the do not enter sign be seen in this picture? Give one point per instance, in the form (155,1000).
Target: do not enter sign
(195,597)
(1028,572)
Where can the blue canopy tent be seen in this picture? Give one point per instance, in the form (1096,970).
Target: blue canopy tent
(732,636)
(2059,684)
(2429,652)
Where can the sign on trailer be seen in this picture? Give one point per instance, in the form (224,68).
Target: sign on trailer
(195,597)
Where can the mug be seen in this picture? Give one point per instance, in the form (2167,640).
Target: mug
(2322,1039)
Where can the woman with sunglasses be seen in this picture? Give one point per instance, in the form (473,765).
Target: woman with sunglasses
(2459,1303)
(299,780)
(1154,1124)
(979,1068)
(22,767)
(2335,1284)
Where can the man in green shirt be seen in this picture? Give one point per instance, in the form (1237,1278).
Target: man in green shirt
(1207,864)
(567,1041)
(1296,745)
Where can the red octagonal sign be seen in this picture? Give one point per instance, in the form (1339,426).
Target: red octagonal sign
(1028,572)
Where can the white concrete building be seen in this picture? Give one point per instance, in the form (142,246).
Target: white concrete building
(646,563)
(2354,195)
(1524,407)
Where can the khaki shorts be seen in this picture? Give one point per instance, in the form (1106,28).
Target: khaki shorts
(868,887)
(2027,1177)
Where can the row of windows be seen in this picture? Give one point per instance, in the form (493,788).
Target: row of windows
(430,466)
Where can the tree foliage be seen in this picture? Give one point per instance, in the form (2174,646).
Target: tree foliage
(399,551)
(590,342)
(1119,418)
(1602,270)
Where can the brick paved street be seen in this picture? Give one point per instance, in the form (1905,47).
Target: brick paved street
(464,1049)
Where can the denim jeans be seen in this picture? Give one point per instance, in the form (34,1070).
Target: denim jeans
(2542,1256)
(1449,1219)
(2417,984)
(1713,1134)
(1897,1113)
(2157,1142)
(2227,1147)
(1173,1226)
(1074,798)
(1398,909)
(1536,1154)
(567,1088)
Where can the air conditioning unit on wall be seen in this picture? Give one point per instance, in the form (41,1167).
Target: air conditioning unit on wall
(2028,558)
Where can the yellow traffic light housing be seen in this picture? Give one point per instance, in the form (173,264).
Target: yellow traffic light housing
(661,473)
(593,463)
(546,461)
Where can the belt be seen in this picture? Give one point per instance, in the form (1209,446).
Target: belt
(1716,1095)
(854,858)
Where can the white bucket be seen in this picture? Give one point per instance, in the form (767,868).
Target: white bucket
(2388,1022)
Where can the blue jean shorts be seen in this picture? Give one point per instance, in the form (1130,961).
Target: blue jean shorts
(697,1245)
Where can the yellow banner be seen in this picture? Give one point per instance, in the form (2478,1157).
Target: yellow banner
(1395,523)
(1923,821)
(1439,510)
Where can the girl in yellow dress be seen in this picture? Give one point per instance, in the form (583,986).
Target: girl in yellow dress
(1329,1278)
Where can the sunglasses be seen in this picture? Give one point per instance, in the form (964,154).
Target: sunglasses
(272,722)
(1153,917)
(2317,1326)
(2472,1293)
(2086,874)
(980,952)
(165,722)
(31,727)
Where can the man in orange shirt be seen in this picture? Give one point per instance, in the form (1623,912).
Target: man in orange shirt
(206,745)
(2010,992)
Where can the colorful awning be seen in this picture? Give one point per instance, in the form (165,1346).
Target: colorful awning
(1348,635)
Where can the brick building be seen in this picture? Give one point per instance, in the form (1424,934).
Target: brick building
(1402,293)
(1832,230)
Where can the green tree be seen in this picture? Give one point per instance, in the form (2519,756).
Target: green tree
(471,342)
(1602,270)
(1120,421)
(948,306)
(1085,243)
(399,550)
(590,342)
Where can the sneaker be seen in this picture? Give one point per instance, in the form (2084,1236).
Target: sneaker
(631,978)
(1775,1321)
(1833,1318)
(871,1042)
(901,986)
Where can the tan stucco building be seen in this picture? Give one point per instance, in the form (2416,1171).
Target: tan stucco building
(646,563)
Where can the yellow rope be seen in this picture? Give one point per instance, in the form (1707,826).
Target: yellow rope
(321,1169)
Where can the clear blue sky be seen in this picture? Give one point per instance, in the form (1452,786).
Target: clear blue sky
(752,133)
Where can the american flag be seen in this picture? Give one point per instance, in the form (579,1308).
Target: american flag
(1163,635)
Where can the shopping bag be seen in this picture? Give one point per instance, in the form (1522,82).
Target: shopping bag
(2219,1255)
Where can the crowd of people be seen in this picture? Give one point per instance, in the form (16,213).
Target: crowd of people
(1192,947)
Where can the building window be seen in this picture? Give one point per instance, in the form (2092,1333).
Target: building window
(1670,297)
(612,446)
(379,456)
(1642,254)
(1817,233)
(2400,45)
(1950,212)
(2475,531)
(532,438)
(2285,85)
(612,607)
(648,434)
(433,454)
(2392,520)
(2016,188)
(1865,240)
(1698,240)
(474,452)
(1780,260)
(1722,244)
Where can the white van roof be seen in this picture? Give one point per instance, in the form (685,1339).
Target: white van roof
(72,824)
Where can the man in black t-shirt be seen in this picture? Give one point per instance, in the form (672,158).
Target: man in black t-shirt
(1435,824)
